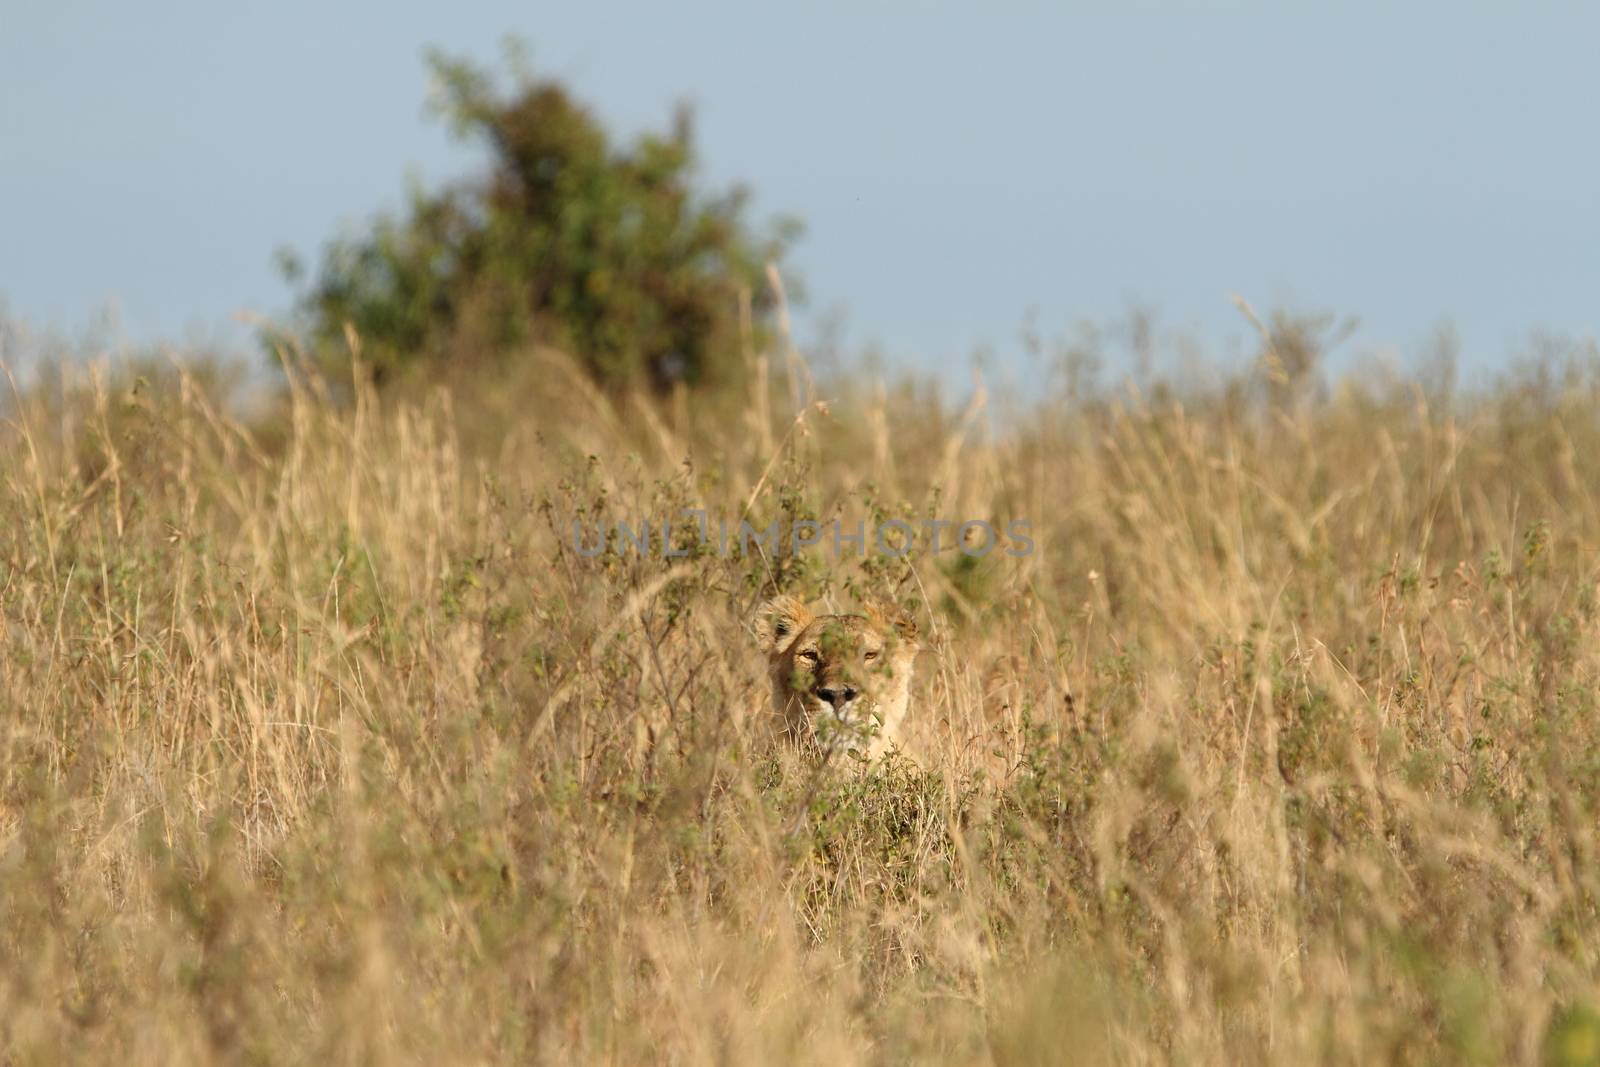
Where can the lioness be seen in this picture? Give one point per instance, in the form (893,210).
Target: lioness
(839,681)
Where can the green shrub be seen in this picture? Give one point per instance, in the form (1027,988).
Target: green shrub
(612,255)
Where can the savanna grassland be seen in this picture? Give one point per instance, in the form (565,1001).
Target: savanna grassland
(319,742)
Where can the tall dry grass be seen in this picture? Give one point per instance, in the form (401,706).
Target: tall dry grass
(318,741)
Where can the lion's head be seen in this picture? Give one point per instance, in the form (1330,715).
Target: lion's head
(839,681)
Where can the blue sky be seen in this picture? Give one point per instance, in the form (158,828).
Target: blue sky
(957,169)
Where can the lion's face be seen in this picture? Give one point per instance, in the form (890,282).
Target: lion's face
(842,681)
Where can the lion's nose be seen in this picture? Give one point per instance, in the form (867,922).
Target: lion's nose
(837,695)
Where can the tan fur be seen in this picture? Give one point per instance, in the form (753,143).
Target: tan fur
(840,682)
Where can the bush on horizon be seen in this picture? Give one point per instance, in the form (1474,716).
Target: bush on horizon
(613,254)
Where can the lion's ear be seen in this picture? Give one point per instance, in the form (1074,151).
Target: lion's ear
(779,620)
(893,616)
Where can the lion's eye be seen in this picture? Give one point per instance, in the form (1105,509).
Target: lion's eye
(809,655)
(870,656)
